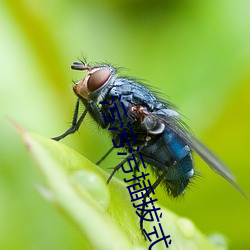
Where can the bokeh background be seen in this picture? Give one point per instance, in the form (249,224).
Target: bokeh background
(195,52)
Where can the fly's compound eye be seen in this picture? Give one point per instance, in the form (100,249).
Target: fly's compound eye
(97,79)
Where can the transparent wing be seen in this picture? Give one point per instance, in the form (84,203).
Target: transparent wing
(175,124)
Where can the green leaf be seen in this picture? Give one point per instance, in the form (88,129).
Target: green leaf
(103,214)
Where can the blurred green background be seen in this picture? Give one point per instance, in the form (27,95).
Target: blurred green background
(196,52)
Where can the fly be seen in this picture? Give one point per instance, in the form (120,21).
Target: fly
(165,142)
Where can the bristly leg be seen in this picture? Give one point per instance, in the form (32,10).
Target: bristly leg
(104,157)
(75,124)
(117,167)
(154,186)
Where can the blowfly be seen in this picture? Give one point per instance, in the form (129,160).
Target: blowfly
(166,144)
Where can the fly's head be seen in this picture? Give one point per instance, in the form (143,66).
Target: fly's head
(93,85)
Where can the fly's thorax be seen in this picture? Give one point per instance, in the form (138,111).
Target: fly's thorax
(96,82)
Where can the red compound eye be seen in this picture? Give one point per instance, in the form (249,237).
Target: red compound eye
(97,79)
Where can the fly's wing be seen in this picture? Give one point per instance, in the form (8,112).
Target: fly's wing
(174,123)
(212,160)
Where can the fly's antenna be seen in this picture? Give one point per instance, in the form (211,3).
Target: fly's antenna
(80,66)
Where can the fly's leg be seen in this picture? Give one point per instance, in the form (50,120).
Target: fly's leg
(116,168)
(75,124)
(154,186)
(135,169)
(97,114)
(105,156)
(164,169)
(91,107)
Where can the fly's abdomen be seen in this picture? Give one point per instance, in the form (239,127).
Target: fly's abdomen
(178,176)
(180,166)
(172,156)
